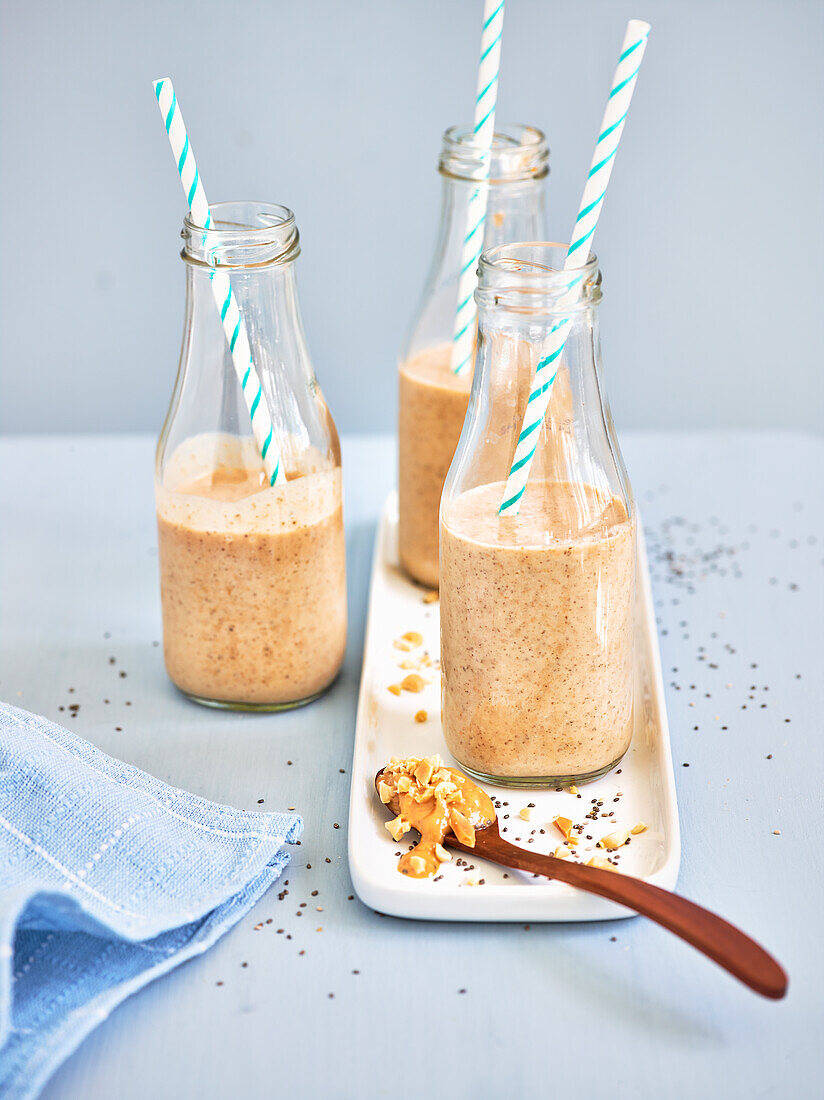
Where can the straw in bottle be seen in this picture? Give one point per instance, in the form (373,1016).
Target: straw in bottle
(224,296)
(612,126)
(483,130)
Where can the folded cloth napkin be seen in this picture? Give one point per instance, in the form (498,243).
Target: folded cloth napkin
(108,878)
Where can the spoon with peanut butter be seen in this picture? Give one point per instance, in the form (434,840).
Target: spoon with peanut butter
(449,810)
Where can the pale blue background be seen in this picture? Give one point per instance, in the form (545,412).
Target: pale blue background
(711,235)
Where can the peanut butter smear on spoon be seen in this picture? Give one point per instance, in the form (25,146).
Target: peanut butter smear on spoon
(434,800)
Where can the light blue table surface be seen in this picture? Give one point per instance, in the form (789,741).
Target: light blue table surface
(619,1009)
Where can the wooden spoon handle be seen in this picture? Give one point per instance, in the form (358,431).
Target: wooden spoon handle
(711,934)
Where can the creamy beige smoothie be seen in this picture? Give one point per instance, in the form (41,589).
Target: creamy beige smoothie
(433,403)
(537,632)
(252,577)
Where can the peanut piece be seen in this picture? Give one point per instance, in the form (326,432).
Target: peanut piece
(397,827)
(413,683)
(395,689)
(413,637)
(601,864)
(421,716)
(463,828)
(563,825)
(639,828)
(614,840)
(423,772)
(441,854)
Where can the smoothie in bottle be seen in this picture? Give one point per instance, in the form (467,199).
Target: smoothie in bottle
(252,574)
(432,398)
(537,608)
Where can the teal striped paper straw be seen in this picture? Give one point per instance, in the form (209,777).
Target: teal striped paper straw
(484,129)
(230,317)
(623,85)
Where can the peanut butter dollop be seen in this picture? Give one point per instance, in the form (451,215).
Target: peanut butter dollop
(435,800)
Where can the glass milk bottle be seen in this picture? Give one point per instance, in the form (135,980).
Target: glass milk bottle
(432,398)
(252,575)
(537,608)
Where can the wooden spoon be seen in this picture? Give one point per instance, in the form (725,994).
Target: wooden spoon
(718,939)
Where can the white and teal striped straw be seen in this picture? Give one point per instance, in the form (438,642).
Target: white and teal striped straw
(233,326)
(623,85)
(484,129)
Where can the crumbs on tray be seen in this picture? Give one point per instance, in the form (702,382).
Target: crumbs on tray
(411,642)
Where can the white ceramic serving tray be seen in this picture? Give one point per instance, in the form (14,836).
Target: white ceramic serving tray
(386,727)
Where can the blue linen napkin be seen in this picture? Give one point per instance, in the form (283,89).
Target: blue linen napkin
(108,879)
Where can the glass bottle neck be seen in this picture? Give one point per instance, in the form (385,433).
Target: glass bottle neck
(267,298)
(516,210)
(209,401)
(524,302)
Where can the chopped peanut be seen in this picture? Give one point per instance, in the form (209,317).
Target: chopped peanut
(395,689)
(421,716)
(573,789)
(446,791)
(430,597)
(601,864)
(462,827)
(562,853)
(413,637)
(442,854)
(397,827)
(614,840)
(413,683)
(423,772)
(417,865)
(525,813)
(639,828)
(563,825)
(385,792)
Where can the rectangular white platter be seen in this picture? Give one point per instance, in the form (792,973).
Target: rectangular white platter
(386,727)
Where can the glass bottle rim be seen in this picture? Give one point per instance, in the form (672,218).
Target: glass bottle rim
(530,275)
(243,233)
(518,153)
